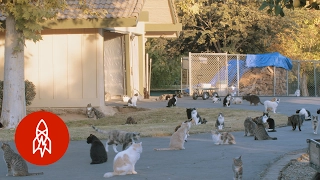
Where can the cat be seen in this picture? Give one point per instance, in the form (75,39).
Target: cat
(89,111)
(178,138)
(98,113)
(115,137)
(226,100)
(318,111)
(253,99)
(16,165)
(220,121)
(222,138)
(193,114)
(237,168)
(297,93)
(295,121)
(98,153)
(130,120)
(215,97)
(236,100)
(305,113)
(172,101)
(125,98)
(271,123)
(1,125)
(260,132)
(133,100)
(315,124)
(124,162)
(271,104)
(187,135)
(249,126)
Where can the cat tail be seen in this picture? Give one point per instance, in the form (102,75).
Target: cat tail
(272,138)
(165,149)
(261,103)
(99,130)
(108,174)
(34,174)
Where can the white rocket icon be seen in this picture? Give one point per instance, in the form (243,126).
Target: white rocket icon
(42,141)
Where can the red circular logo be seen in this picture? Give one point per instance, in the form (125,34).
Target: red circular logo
(42,138)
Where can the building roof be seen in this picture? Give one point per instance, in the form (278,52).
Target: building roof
(114,9)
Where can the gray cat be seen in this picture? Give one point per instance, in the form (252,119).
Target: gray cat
(237,168)
(260,132)
(249,126)
(315,124)
(295,121)
(16,165)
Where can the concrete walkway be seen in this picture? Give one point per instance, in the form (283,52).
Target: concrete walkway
(200,160)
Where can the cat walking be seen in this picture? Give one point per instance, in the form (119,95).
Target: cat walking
(16,165)
(315,124)
(237,168)
(124,162)
(295,120)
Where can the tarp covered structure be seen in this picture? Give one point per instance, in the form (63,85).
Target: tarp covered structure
(269,59)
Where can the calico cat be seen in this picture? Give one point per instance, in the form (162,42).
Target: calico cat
(315,124)
(271,105)
(115,137)
(16,165)
(253,99)
(178,138)
(305,113)
(193,114)
(237,168)
(89,111)
(133,101)
(249,126)
(295,121)
(222,138)
(130,120)
(172,101)
(98,113)
(98,153)
(220,121)
(227,100)
(260,132)
(124,162)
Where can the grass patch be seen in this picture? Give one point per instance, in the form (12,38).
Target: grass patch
(158,122)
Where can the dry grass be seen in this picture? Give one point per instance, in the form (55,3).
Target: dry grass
(158,122)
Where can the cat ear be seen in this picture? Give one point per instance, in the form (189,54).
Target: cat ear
(239,157)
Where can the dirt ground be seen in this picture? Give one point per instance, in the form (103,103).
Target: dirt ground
(74,114)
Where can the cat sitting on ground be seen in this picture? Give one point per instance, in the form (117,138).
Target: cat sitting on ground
(98,153)
(305,113)
(315,124)
(187,135)
(222,138)
(130,120)
(271,123)
(227,100)
(236,100)
(178,138)
(89,111)
(172,101)
(124,162)
(193,114)
(249,126)
(253,99)
(220,122)
(16,165)
(125,98)
(115,137)
(215,97)
(237,168)
(271,105)
(260,132)
(295,120)
(133,101)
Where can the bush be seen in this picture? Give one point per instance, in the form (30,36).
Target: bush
(30,92)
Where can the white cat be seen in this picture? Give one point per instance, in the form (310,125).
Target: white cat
(271,105)
(133,101)
(315,124)
(236,100)
(220,121)
(124,162)
(306,113)
(125,98)
(297,93)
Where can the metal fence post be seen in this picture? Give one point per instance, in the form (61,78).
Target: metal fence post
(315,79)
(274,81)
(190,76)
(299,75)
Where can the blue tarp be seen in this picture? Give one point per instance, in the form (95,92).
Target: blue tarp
(270,59)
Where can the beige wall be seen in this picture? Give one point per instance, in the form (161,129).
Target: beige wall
(159,11)
(63,67)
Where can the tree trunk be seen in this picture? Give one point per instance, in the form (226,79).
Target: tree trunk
(304,84)
(14,101)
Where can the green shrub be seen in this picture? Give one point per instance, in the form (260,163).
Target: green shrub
(30,92)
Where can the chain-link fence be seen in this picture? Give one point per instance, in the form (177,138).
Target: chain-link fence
(227,73)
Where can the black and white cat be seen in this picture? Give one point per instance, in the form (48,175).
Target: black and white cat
(215,97)
(305,113)
(193,114)
(172,101)
(270,122)
(227,100)
(315,124)
(133,101)
(220,122)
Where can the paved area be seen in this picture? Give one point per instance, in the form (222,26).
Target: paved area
(200,160)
